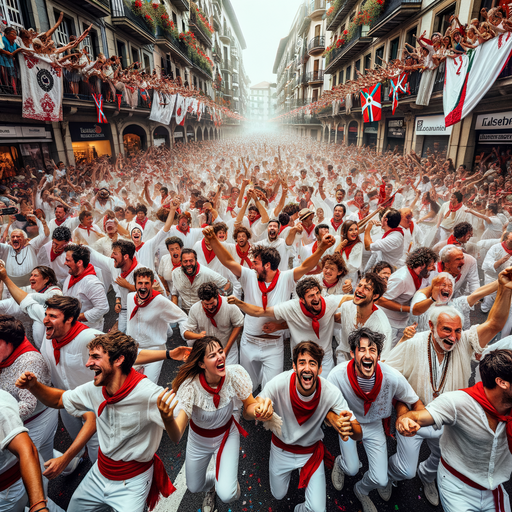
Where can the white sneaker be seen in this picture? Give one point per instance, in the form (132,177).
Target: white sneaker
(337,475)
(385,492)
(430,490)
(365,500)
(209,501)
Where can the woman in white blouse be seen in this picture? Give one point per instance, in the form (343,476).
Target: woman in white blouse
(207,393)
(351,249)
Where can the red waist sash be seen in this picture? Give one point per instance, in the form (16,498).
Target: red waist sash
(499,501)
(318,454)
(10,477)
(225,429)
(119,470)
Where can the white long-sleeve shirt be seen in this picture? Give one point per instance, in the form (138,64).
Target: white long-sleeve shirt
(391,247)
(469,278)
(58,266)
(495,253)
(10,426)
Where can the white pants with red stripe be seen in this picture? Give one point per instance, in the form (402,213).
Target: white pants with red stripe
(97,493)
(281,465)
(456,496)
(200,450)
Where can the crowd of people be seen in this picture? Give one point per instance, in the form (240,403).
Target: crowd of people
(370,265)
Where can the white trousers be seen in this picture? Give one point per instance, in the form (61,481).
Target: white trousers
(375,446)
(73,426)
(403,464)
(456,496)
(122,320)
(282,463)
(152,370)
(199,453)
(262,358)
(97,493)
(14,498)
(42,432)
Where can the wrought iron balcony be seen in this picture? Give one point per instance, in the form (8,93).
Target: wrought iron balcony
(181,5)
(315,76)
(124,18)
(197,27)
(316,45)
(97,8)
(395,12)
(343,54)
(339,13)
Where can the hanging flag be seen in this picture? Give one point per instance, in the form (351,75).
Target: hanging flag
(100,116)
(162,107)
(371,104)
(181,110)
(119,98)
(41,86)
(399,85)
(468,77)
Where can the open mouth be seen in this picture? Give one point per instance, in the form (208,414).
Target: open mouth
(307,379)
(445,295)
(221,366)
(359,296)
(49,331)
(449,344)
(367,365)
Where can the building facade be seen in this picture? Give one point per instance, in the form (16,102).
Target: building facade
(261,101)
(118,29)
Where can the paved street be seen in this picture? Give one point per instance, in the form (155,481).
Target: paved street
(253,471)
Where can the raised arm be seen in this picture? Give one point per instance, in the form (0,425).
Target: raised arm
(251,309)
(221,252)
(311,262)
(17,293)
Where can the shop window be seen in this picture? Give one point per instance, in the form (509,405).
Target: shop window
(8,161)
(442,19)
(32,155)
(132,144)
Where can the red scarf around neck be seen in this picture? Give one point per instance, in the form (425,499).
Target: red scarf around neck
(60,222)
(25,346)
(214,392)
(88,271)
(452,241)
(336,225)
(54,255)
(506,249)
(174,267)
(441,269)
(315,247)
(411,226)
(131,381)
(251,222)
(400,230)
(191,278)
(70,336)
(210,315)
(367,398)
(244,256)
(308,231)
(186,232)
(328,286)
(209,254)
(139,247)
(315,318)
(154,293)
(265,291)
(303,410)
(88,228)
(124,275)
(416,278)
(141,222)
(455,208)
(350,245)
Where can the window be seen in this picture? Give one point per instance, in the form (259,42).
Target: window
(334,81)
(147,62)
(348,73)
(368,61)
(91,42)
(64,30)
(135,55)
(393,48)
(409,38)
(442,19)
(175,19)
(379,55)
(10,10)
(121,53)
(226,54)
(341,76)
(357,65)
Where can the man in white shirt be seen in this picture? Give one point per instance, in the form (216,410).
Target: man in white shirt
(450,214)
(476,453)
(86,233)
(83,284)
(303,400)
(170,262)
(213,316)
(391,246)
(435,362)
(337,219)
(63,219)
(305,251)
(284,246)
(189,236)
(402,285)
(53,253)
(370,389)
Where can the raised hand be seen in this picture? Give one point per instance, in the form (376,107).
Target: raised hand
(181,353)
(264,410)
(26,380)
(165,403)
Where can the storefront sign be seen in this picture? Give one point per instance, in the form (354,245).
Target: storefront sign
(178,134)
(35,131)
(432,125)
(491,138)
(81,132)
(8,131)
(395,123)
(494,121)
(396,133)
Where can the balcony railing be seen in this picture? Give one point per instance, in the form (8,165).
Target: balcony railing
(199,29)
(226,36)
(339,13)
(316,45)
(182,5)
(316,7)
(124,18)
(315,76)
(395,12)
(339,55)
(97,8)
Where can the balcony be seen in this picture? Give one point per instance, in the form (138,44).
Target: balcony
(227,91)
(234,81)
(217,54)
(343,54)
(199,29)
(226,66)
(314,77)
(125,19)
(226,36)
(341,9)
(96,8)
(316,8)
(167,42)
(234,52)
(316,45)
(181,5)
(395,12)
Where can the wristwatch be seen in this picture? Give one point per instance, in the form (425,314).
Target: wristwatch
(432,299)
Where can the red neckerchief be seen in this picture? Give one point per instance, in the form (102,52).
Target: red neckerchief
(54,255)
(308,231)
(303,410)
(382,193)
(282,228)
(411,226)
(315,247)
(210,315)
(124,275)
(139,247)
(186,232)
(174,267)
(370,397)
(131,381)
(455,208)
(441,269)
(141,223)
(336,226)
(154,293)
(25,346)
(265,291)
(243,255)
(60,222)
(209,254)
(88,228)
(374,308)
(477,392)
(506,249)
(251,222)
(350,245)
(327,285)
(214,392)
(400,230)
(416,278)
(315,318)
(70,336)
(360,215)
(88,271)
(191,278)
(452,241)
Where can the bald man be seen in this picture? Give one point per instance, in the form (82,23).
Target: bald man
(407,224)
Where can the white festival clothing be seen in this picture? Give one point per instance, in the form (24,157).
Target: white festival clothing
(391,248)
(354,262)
(70,222)
(10,426)
(285,251)
(85,237)
(189,239)
(469,280)
(58,266)
(453,219)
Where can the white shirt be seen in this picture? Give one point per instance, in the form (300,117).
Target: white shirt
(354,262)
(495,253)
(391,247)
(307,434)
(10,426)
(70,222)
(82,236)
(58,266)
(468,443)
(190,239)
(146,254)
(280,246)
(149,325)
(165,269)
(129,430)
(469,280)
(454,218)
(394,386)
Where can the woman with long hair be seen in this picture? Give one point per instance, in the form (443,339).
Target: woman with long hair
(351,249)
(427,213)
(207,392)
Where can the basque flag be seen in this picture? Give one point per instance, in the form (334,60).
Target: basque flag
(371,104)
